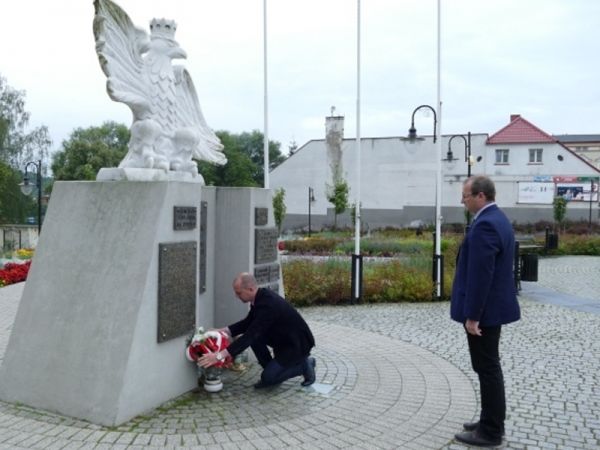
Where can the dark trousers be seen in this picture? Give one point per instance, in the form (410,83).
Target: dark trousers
(274,372)
(485,360)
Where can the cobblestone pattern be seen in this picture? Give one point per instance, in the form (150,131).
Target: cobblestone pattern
(574,275)
(402,377)
(388,394)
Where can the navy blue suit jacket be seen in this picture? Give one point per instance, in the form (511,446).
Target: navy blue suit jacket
(484,285)
(274,322)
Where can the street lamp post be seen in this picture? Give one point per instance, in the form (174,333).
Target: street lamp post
(311,198)
(591,201)
(438,264)
(468,158)
(27,188)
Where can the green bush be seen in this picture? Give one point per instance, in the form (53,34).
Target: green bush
(309,282)
(578,245)
(313,245)
(385,247)
(328,282)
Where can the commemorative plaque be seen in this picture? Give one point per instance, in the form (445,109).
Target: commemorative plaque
(266,274)
(176,289)
(202,277)
(274,272)
(265,245)
(261,216)
(261,273)
(184,217)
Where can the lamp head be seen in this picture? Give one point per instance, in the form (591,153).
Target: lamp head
(26,188)
(412,135)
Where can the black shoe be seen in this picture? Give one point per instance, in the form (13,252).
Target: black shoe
(309,375)
(261,385)
(474,438)
(470,426)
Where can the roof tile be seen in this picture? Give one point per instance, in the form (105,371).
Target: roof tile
(519,131)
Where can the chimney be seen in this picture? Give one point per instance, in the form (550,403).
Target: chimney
(334,137)
(514,117)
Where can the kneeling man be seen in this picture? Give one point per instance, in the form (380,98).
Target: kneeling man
(271,322)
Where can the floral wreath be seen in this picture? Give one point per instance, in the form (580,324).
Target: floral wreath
(203,342)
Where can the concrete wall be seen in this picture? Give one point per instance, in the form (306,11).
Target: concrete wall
(84,341)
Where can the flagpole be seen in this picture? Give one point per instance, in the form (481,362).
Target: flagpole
(266,103)
(438,201)
(356,258)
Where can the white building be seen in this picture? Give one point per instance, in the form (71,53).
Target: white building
(398,177)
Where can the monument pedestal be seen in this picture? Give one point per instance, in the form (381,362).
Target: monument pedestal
(122,274)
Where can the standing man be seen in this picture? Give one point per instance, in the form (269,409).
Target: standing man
(483,299)
(271,322)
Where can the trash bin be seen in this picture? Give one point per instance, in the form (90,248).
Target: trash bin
(552,241)
(529,267)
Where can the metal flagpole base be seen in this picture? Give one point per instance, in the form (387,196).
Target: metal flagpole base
(357,279)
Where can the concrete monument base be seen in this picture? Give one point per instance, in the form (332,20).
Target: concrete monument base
(123,272)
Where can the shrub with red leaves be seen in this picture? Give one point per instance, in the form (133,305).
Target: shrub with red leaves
(14,273)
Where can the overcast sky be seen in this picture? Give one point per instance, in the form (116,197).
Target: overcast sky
(537,58)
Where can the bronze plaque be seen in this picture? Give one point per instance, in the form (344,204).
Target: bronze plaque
(261,273)
(184,217)
(261,216)
(265,245)
(274,272)
(202,277)
(176,289)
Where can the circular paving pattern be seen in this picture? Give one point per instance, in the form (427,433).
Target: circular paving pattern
(382,393)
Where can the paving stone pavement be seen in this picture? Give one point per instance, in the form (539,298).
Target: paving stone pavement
(401,378)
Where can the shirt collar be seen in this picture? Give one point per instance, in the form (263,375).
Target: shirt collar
(486,206)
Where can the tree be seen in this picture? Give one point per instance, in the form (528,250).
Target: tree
(88,150)
(239,169)
(245,166)
(279,208)
(353,213)
(17,146)
(560,210)
(337,195)
(13,204)
(252,144)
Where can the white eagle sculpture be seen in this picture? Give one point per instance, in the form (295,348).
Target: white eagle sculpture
(168,128)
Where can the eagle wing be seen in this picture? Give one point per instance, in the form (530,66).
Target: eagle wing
(120,45)
(189,115)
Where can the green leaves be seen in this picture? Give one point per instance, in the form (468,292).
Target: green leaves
(89,149)
(279,208)
(17,145)
(245,164)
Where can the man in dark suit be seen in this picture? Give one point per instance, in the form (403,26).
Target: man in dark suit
(483,299)
(271,322)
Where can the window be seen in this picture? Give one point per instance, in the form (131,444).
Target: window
(535,156)
(502,156)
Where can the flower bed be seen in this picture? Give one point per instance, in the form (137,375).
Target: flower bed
(14,273)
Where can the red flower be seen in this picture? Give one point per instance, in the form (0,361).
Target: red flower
(14,273)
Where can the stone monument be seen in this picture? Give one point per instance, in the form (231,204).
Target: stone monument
(129,265)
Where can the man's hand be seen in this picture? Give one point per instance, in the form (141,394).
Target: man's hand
(207,360)
(472,327)
(210,359)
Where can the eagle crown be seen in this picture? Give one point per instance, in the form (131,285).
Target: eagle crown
(163,28)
